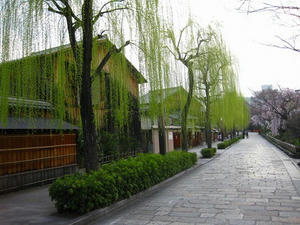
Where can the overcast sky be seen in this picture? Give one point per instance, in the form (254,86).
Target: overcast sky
(246,37)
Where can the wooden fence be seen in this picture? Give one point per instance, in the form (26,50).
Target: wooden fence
(21,153)
(122,155)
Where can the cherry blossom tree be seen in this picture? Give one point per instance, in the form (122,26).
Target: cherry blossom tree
(272,109)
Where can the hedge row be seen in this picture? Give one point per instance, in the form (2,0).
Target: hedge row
(208,152)
(82,193)
(229,142)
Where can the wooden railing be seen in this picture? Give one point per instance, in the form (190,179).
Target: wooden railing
(20,153)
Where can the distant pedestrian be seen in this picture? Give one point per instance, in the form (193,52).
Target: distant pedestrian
(247,134)
(219,137)
(243,134)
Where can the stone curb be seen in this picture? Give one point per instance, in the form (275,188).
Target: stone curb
(282,148)
(290,165)
(96,214)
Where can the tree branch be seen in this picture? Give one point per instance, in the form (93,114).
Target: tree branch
(171,36)
(288,10)
(180,35)
(50,9)
(64,11)
(69,9)
(108,55)
(173,53)
(286,45)
(101,12)
(57,5)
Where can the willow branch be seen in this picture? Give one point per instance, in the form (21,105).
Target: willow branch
(173,53)
(180,35)
(108,55)
(191,57)
(64,11)
(57,5)
(50,9)
(101,12)
(69,9)
(109,2)
(175,46)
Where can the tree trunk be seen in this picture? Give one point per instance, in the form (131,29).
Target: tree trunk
(162,135)
(207,120)
(184,114)
(86,107)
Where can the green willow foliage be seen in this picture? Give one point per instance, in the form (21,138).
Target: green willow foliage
(216,87)
(30,72)
(231,111)
(155,56)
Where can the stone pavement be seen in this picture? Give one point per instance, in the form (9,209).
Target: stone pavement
(30,206)
(33,206)
(251,183)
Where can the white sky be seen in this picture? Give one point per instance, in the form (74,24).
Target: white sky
(246,36)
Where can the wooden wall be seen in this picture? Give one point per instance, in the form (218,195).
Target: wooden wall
(20,153)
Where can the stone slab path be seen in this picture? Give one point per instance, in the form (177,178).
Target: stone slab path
(251,183)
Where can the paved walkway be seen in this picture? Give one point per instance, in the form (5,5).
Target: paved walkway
(30,206)
(251,183)
(33,206)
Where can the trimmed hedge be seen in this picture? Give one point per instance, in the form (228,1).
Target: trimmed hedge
(208,152)
(81,193)
(228,142)
(221,145)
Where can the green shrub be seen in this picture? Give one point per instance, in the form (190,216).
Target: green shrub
(108,143)
(221,145)
(82,193)
(208,152)
(228,142)
(215,150)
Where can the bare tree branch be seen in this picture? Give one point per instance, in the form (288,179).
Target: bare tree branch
(283,9)
(286,45)
(242,4)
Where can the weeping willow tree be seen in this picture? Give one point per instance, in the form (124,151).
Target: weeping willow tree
(213,68)
(216,89)
(233,111)
(156,63)
(188,52)
(64,75)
